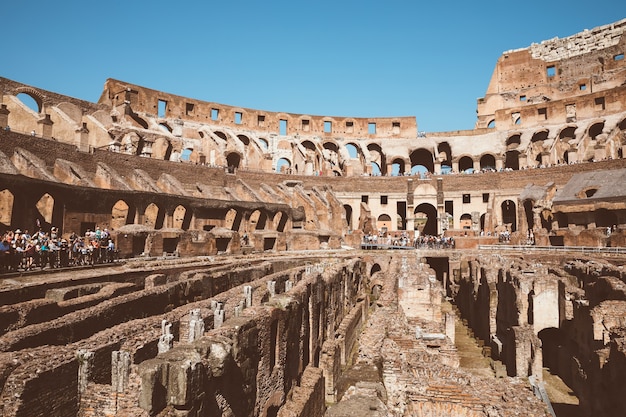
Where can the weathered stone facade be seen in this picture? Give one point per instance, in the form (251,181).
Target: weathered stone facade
(241,290)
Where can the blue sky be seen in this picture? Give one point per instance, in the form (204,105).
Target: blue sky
(336,58)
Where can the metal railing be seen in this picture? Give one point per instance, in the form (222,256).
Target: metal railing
(555,249)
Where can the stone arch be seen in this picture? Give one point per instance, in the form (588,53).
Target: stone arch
(233,219)
(487,161)
(167,128)
(384,223)
(424,158)
(426,223)
(398,166)
(31,93)
(466,164)
(153,216)
(121,214)
(568,132)
(45,208)
(244,139)
(280,221)
(347,208)
(263,144)
(540,136)
(377,156)
(595,129)
(514,141)
(283,166)
(162,148)
(331,153)
(509,214)
(466,221)
(444,154)
(181,217)
(258,220)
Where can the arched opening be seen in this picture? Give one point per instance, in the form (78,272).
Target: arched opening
(513,141)
(511,160)
(419,170)
(283,166)
(162,149)
(220,135)
(425,216)
(232,161)
(491,124)
(185,155)
(353,151)
(424,158)
(153,218)
(397,167)
(546,219)
(280,221)
(595,130)
(377,157)
(509,217)
(528,211)
(375,268)
(165,127)
(263,144)
(539,136)
(6,210)
(444,154)
(383,223)
(347,208)
(244,139)
(466,221)
(181,218)
(45,207)
(482,221)
(121,215)
(488,162)
(258,220)
(232,220)
(30,101)
(568,133)
(466,164)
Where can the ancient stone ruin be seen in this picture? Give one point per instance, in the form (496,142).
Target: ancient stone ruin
(240,262)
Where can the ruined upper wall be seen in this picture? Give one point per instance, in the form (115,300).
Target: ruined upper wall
(164,105)
(558,81)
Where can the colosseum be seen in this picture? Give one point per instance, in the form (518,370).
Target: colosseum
(167,256)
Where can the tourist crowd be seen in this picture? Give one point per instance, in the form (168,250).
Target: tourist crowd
(404,240)
(23,251)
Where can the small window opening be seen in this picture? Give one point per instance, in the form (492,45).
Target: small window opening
(618,57)
(162,108)
(189,109)
(371,128)
(395,127)
(600,103)
(543,113)
(238,117)
(485,197)
(260,120)
(383,199)
(215,114)
(306,125)
(582,87)
(551,71)
(328,126)
(282,129)
(349,127)
(364,199)
(522,98)
(466,199)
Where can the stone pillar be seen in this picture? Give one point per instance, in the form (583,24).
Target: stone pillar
(82,138)
(166,341)
(450,326)
(455,166)
(271,288)
(499,162)
(288,285)
(45,127)
(120,370)
(437,168)
(522,160)
(196,325)
(4,116)
(476,166)
(218,316)
(247,291)
(85,367)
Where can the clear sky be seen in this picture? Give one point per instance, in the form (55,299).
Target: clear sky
(364,58)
